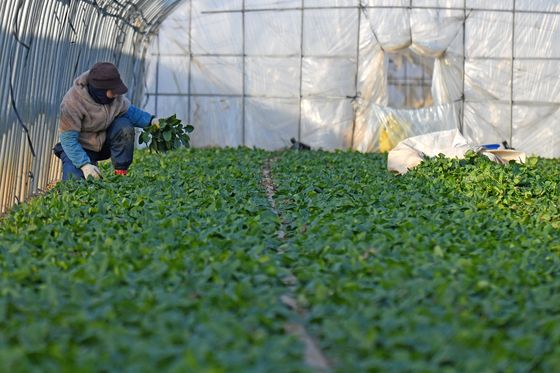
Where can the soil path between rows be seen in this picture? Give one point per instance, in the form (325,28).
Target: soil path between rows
(313,355)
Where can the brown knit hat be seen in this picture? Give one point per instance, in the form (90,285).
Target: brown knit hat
(105,75)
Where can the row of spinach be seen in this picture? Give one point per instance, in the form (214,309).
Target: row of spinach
(169,268)
(452,267)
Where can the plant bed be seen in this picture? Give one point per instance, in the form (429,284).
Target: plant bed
(179,266)
(452,267)
(168,268)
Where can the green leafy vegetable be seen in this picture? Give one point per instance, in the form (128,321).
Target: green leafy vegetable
(452,267)
(171,134)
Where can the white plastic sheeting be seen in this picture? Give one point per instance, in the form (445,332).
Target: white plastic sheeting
(406,123)
(258,72)
(410,152)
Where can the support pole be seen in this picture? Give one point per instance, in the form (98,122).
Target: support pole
(356,97)
(157,75)
(189,98)
(462,121)
(300,70)
(243,134)
(512,76)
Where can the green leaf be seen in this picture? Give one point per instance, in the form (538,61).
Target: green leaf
(170,135)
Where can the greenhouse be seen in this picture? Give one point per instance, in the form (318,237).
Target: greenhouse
(241,208)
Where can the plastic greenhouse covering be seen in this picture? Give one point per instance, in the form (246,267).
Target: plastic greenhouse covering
(334,74)
(327,72)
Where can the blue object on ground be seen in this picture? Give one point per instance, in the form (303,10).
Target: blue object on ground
(491,146)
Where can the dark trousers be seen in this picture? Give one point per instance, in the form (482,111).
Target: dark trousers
(119,146)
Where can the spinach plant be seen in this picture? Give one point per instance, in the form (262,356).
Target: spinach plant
(170,134)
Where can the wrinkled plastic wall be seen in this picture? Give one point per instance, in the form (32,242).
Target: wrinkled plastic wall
(258,72)
(44,45)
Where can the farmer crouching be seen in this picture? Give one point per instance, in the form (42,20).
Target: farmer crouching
(97,123)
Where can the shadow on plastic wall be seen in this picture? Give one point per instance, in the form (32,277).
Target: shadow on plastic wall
(36,73)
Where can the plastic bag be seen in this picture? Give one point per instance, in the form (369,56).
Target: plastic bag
(392,131)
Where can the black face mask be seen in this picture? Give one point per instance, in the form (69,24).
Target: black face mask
(99,95)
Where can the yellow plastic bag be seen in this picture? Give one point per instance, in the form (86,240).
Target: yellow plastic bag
(392,131)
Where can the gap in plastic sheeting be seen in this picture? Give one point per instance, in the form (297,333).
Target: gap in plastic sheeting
(409,79)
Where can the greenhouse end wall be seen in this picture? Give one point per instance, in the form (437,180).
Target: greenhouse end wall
(259,72)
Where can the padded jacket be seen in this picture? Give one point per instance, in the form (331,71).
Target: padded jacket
(79,112)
